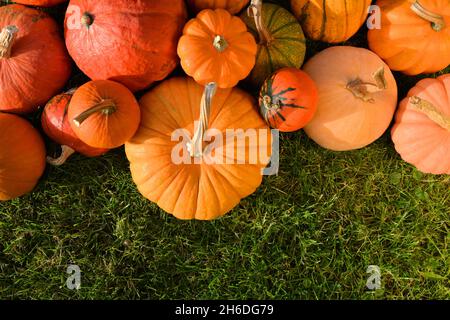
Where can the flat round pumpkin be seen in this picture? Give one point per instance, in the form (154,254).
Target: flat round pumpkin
(22,156)
(421,133)
(357,98)
(131,42)
(415,35)
(197,188)
(34,64)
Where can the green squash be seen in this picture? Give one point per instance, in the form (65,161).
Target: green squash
(281,40)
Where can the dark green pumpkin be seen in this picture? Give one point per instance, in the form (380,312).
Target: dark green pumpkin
(286,47)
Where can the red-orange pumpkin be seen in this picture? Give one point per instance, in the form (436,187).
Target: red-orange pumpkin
(22,156)
(56,125)
(34,64)
(288,99)
(40,3)
(131,43)
(422,130)
(104,114)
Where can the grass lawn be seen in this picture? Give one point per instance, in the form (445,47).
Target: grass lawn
(308,233)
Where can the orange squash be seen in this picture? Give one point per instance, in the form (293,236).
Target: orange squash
(232,6)
(422,130)
(34,64)
(331,21)
(415,35)
(357,98)
(216,47)
(40,3)
(104,114)
(197,188)
(22,157)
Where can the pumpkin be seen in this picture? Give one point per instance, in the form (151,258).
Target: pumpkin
(104,114)
(196,188)
(233,6)
(40,3)
(131,44)
(216,47)
(281,40)
(56,125)
(22,157)
(331,21)
(34,64)
(415,35)
(421,133)
(357,98)
(288,99)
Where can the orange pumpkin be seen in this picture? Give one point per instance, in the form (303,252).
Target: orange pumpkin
(34,64)
(357,98)
(104,114)
(216,47)
(197,188)
(331,21)
(415,35)
(232,6)
(131,42)
(422,130)
(22,157)
(40,3)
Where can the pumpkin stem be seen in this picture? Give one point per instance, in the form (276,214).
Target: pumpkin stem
(430,111)
(195,147)
(269,104)
(255,11)
(362,90)
(220,43)
(7,36)
(437,21)
(66,152)
(87,20)
(106,107)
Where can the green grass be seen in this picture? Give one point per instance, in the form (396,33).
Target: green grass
(308,233)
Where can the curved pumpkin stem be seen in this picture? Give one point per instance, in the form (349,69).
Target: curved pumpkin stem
(106,107)
(430,111)
(255,11)
(7,36)
(66,152)
(362,90)
(196,146)
(437,21)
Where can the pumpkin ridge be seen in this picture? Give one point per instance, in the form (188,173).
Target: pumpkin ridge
(324,20)
(290,24)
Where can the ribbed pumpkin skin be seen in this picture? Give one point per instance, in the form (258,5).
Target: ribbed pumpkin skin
(55,123)
(191,191)
(429,52)
(135,45)
(342,121)
(331,21)
(22,157)
(38,66)
(287,48)
(232,6)
(419,140)
(40,3)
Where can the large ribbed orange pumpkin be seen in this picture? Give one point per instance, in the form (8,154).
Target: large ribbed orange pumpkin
(34,64)
(197,188)
(41,3)
(415,35)
(22,156)
(422,130)
(332,20)
(232,6)
(131,42)
(357,98)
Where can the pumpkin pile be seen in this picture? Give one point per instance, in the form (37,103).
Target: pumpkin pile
(244,72)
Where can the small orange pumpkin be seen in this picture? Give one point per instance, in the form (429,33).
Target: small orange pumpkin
(22,157)
(216,47)
(104,114)
(357,98)
(415,35)
(422,130)
(232,6)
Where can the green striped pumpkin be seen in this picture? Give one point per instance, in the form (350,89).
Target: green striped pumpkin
(286,47)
